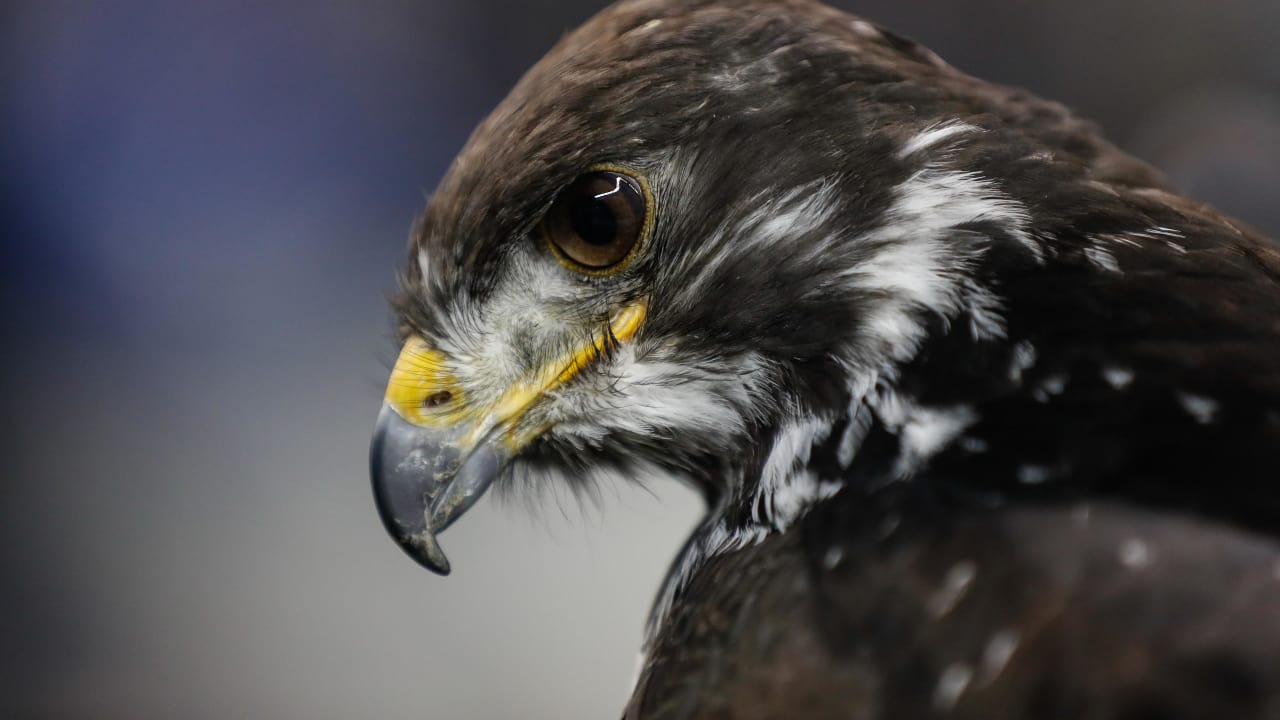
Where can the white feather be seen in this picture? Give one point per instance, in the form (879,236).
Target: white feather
(935,135)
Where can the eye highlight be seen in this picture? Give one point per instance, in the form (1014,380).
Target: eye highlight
(598,220)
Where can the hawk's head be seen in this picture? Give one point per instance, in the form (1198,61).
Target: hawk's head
(688,231)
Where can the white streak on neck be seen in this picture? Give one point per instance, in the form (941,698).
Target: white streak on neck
(1202,408)
(1102,259)
(791,449)
(1117,377)
(917,265)
(935,135)
(926,431)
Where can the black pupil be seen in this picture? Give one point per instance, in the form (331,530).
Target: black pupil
(592,217)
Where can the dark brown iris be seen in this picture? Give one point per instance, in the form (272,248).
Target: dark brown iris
(597,219)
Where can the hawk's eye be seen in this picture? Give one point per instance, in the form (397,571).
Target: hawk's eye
(597,219)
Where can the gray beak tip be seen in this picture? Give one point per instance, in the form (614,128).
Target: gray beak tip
(424,548)
(422,483)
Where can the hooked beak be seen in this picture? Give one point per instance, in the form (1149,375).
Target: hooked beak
(423,480)
(433,454)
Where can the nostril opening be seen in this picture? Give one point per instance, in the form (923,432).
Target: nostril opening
(435,400)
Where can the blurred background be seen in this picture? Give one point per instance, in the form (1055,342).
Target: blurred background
(202,205)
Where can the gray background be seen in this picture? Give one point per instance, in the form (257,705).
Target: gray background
(202,206)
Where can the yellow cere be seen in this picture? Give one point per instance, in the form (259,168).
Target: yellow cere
(420,373)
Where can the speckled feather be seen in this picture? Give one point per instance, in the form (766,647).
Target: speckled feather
(1045,432)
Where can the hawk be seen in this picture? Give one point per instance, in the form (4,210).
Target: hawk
(986,417)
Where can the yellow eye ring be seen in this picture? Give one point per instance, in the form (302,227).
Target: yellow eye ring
(600,221)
